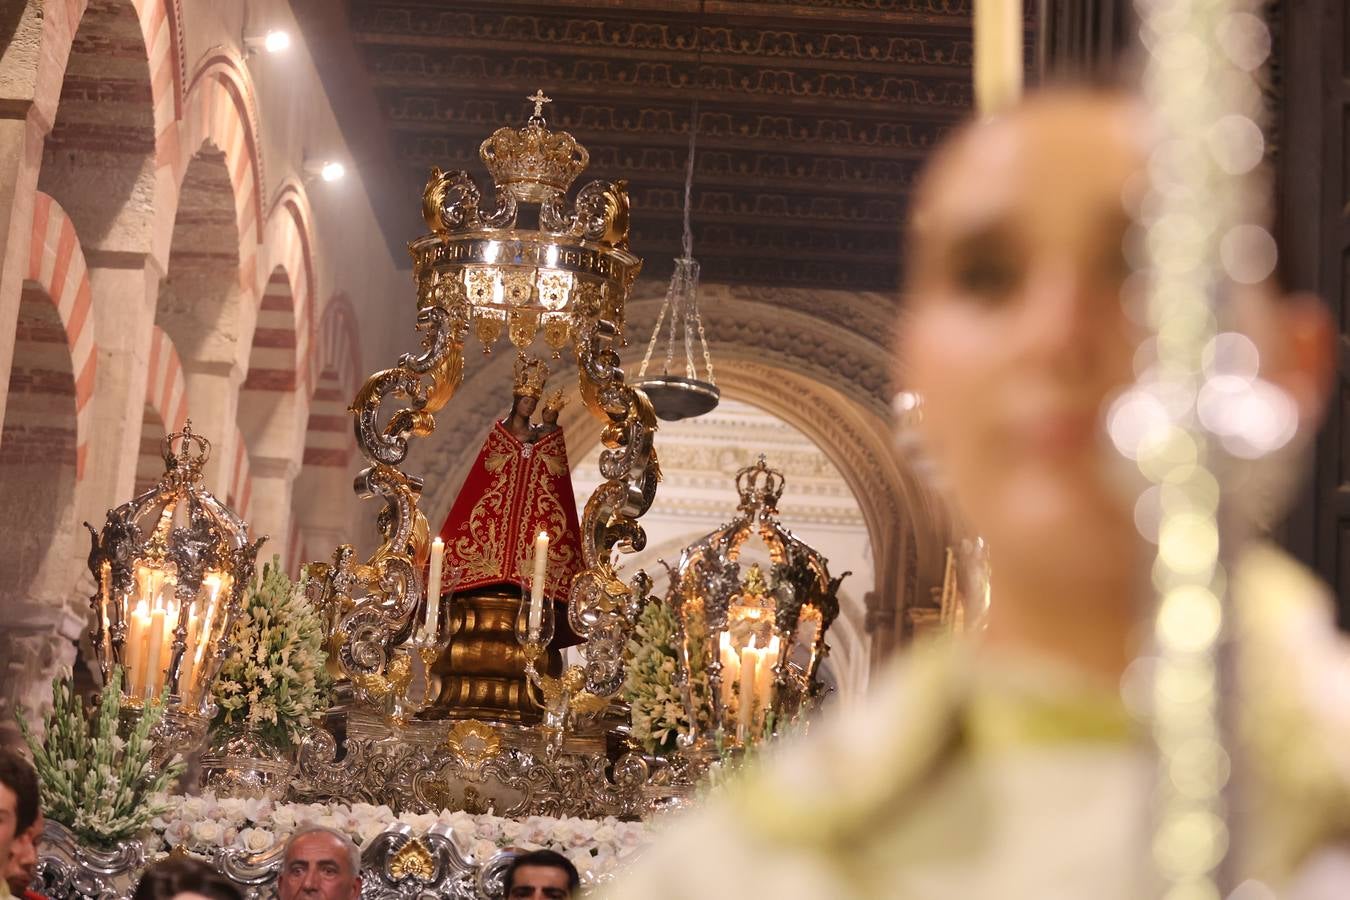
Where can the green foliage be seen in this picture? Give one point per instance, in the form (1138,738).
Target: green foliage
(657,710)
(93,781)
(274,681)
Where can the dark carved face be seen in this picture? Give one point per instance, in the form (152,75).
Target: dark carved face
(525,406)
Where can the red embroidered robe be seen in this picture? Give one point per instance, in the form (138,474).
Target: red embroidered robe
(513,491)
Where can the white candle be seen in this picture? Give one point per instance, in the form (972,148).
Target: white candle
(187,666)
(154,648)
(537,584)
(764,677)
(731,671)
(213,583)
(134,650)
(434,588)
(749,656)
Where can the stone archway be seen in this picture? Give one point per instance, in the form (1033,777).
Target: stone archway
(202,299)
(324,508)
(99,163)
(268,410)
(39,481)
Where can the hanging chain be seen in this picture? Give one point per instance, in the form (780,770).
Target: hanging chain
(681,300)
(656,334)
(703,341)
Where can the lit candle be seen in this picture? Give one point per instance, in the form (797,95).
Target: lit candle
(213,584)
(187,667)
(434,587)
(749,656)
(155,648)
(537,584)
(768,657)
(731,671)
(134,649)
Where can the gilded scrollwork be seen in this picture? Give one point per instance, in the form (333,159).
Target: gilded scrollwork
(475,270)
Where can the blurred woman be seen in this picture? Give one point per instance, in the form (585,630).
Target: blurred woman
(1004,763)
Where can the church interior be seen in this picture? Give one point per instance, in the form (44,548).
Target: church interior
(534,363)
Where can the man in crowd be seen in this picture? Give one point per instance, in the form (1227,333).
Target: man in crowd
(541,875)
(320,864)
(20,823)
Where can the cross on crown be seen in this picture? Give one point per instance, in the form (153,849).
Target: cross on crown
(538,99)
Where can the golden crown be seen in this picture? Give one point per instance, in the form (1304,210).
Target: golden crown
(530,376)
(533,163)
(556,400)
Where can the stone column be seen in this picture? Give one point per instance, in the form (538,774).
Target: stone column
(124,285)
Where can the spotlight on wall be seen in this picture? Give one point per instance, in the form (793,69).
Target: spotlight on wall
(274,41)
(326,169)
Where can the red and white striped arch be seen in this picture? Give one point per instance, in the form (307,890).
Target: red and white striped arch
(220,109)
(160,29)
(165,387)
(56,264)
(328,432)
(239,487)
(288,245)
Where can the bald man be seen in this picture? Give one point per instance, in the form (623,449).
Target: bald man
(1003,764)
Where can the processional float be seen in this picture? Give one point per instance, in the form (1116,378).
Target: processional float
(528,262)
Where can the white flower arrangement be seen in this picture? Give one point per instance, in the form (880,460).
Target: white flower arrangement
(204,824)
(658,716)
(274,681)
(95,782)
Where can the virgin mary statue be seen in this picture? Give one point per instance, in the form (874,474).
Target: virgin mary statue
(519,485)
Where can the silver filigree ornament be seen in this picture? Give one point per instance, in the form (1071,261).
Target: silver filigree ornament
(171,567)
(722,608)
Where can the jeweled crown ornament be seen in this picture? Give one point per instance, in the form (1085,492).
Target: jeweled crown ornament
(532,162)
(558,280)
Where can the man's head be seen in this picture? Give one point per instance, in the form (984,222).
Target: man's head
(23,856)
(19,812)
(1017,329)
(184,878)
(320,864)
(541,875)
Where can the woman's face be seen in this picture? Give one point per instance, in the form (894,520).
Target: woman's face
(1015,332)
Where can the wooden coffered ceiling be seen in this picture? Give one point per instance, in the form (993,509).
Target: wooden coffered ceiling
(813,116)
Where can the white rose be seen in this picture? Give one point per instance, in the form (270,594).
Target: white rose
(632,835)
(488,828)
(604,834)
(256,840)
(583,831)
(256,810)
(283,818)
(483,850)
(369,830)
(231,809)
(177,833)
(563,833)
(419,821)
(192,808)
(536,829)
(207,832)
